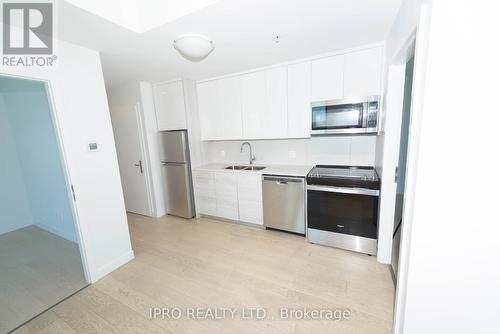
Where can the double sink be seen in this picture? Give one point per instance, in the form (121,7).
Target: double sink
(242,167)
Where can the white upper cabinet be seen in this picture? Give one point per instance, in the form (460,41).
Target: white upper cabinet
(276,118)
(276,102)
(169,106)
(362,73)
(207,109)
(299,100)
(327,78)
(264,104)
(228,113)
(220,109)
(253,103)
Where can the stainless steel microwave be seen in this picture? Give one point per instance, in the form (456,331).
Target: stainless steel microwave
(346,116)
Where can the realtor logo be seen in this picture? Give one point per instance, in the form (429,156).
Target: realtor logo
(28,28)
(28,34)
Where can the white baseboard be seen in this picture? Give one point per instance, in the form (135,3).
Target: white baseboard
(62,234)
(111,266)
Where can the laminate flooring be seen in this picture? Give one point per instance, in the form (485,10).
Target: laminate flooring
(210,266)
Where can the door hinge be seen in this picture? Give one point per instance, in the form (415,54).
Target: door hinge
(396,174)
(73,193)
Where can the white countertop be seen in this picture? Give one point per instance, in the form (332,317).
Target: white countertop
(286,170)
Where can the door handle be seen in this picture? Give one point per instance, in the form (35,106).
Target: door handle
(139,165)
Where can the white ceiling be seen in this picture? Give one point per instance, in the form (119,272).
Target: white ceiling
(242,30)
(141,15)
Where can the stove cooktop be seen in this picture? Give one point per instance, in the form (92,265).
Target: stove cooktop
(348,176)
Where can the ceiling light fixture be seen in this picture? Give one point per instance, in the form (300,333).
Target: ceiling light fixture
(194,47)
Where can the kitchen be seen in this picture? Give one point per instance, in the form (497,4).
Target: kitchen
(249,166)
(272,126)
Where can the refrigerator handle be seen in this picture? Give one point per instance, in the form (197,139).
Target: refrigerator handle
(165,163)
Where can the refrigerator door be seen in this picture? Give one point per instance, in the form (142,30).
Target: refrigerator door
(178,195)
(173,146)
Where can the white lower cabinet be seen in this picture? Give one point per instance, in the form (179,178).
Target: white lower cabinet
(204,190)
(250,198)
(226,195)
(234,196)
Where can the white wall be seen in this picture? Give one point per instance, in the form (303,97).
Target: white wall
(387,146)
(193,123)
(340,150)
(14,205)
(453,276)
(153,147)
(81,109)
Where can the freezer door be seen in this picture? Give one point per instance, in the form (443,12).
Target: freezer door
(173,146)
(178,189)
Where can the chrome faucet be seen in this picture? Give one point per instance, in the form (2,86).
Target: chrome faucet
(252,158)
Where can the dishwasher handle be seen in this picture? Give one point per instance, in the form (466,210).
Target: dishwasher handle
(283,180)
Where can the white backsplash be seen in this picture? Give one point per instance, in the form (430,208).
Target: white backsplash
(338,150)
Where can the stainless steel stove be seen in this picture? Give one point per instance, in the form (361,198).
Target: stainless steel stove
(342,207)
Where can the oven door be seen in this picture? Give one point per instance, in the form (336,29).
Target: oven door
(351,211)
(338,117)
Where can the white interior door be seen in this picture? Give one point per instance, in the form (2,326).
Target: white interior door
(130,148)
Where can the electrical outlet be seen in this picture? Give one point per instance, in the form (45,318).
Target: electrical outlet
(292,154)
(223,154)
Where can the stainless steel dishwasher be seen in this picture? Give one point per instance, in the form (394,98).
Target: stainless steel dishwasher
(284,203)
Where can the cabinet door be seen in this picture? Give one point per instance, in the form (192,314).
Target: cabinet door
(362,73)
(275,120)
(299,100)
(169,105)
(250,198)
(207,109)
(227,115)
(204,189)
(253,104)
(327,78)
(264,101)
(226,194)
(219,106)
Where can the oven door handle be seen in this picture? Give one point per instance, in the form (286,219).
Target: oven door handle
(355,191)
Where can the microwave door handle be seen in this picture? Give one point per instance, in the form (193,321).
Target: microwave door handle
(365,115)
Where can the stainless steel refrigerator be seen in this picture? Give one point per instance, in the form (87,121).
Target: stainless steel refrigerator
(176,172)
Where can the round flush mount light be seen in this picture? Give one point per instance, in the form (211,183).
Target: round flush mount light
(194,47)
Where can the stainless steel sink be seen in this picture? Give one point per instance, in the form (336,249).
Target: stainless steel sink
(240,167)
(255,168)
(236,167)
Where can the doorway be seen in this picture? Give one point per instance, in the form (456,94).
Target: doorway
(400,177)
(40,259)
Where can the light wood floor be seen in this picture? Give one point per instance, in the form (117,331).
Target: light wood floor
(37,270)
(206,264)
